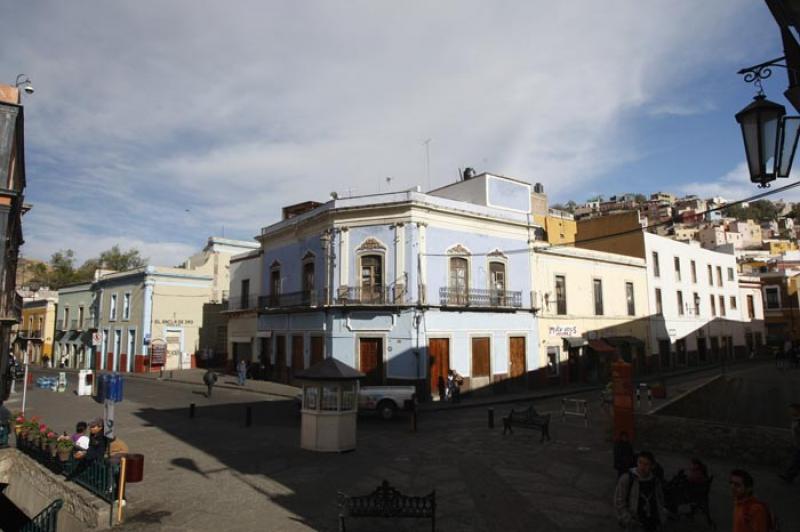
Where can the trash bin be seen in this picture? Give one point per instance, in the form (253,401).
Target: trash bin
(85,382)
(134,467)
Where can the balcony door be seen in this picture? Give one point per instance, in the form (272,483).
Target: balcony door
(371,278)
(459,281)
(497,276)
(308,283)
(370,356)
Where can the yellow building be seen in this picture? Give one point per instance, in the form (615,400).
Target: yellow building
(779,247)
(35,331)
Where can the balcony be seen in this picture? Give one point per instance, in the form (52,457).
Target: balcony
(10,307)
(31,334)
(242,303)
(474,297)
(304,298)
(379,295)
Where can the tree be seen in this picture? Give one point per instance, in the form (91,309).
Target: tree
(62,269)
(115,259)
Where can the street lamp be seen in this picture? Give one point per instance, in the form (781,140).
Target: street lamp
(25,82)
(770,139)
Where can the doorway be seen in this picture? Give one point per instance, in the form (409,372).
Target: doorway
(439,363)
(370,358)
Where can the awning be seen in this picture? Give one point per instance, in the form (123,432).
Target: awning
(240,339)
(264,334)
(575,341)
(630,340)
(601,346)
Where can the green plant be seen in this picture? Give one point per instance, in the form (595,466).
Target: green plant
(65,445)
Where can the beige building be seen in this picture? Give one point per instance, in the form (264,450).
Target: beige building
(244,339)
(150,317)
(593,307)
(752,238)
(713,236)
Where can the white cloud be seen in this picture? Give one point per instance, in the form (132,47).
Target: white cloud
(735,185)
(232,110)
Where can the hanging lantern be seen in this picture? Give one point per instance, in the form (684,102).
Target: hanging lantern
(761,122)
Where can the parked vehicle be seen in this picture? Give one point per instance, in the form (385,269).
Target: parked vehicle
(385,401)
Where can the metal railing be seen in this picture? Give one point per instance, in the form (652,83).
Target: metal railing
(97,476)
(242,303)
(46,520)
(378,295)
(303,298)
(32,334)
(475,297)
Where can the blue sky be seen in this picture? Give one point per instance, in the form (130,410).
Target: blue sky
(158,127)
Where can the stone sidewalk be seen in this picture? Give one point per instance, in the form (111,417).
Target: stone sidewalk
(212,473)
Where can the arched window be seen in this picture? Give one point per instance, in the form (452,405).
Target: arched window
(459,281)
(308,281)
(371,278)
(497,283)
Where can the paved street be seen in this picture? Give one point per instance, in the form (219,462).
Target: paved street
(212,473)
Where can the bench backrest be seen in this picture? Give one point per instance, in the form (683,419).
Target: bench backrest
(386,501)
(525,414)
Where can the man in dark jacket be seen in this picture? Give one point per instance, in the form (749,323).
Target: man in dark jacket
(639,497)
(209,378)
(98,445)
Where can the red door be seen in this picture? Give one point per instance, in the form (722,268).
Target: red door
(298,360)
(371,360)
(516,349)
(317,349)
(280,359)
(439,362)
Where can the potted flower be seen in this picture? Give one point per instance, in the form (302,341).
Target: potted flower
(51,442)
(19,422)
(43,430)
(64,447)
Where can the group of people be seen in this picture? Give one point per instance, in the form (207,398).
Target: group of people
(210,377)
(645,501)
(450,388)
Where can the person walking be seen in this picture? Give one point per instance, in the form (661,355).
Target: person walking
(639,497)
(209,378)
(794,467)
(749,513)
(241,370)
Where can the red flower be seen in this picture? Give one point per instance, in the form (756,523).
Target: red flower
(51,435)
(43,428)
(20,419)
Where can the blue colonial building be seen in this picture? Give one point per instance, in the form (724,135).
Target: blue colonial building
(404,286)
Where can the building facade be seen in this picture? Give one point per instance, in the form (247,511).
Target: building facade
(36,330)
(781,310)
(76,326)
(593,308)
(12,207)
(405,286)
(244,341)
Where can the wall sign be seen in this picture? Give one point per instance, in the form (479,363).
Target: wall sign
(173,322)
(158,353)
(563,330)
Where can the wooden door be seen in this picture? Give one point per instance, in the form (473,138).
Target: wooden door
(480,357)
(298,360)
(516,350)
(280,359)
(439,363)
(317,349)
(370,356)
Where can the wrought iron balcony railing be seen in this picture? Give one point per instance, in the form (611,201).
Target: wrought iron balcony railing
(242,303)
(378,295)
(474,297)
(304,298)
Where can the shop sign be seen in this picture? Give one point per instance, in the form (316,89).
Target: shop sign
(158,353)
(563,330)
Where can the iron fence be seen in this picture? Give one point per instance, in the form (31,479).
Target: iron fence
(97,476)
(46,520)
(475,297)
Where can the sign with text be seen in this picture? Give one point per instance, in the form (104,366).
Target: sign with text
(563,330)
(158,353)
(108,419)
(173,322)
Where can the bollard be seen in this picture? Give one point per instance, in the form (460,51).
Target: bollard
(191,411)
(491,418)
(248,416)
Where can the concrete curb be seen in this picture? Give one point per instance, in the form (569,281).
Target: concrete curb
(180,381)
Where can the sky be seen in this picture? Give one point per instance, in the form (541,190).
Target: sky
(157,125)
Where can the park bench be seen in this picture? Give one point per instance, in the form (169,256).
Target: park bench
(387,502)
(527,418)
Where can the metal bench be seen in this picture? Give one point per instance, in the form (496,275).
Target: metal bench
(387,502)
(527,418)
(571,406)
